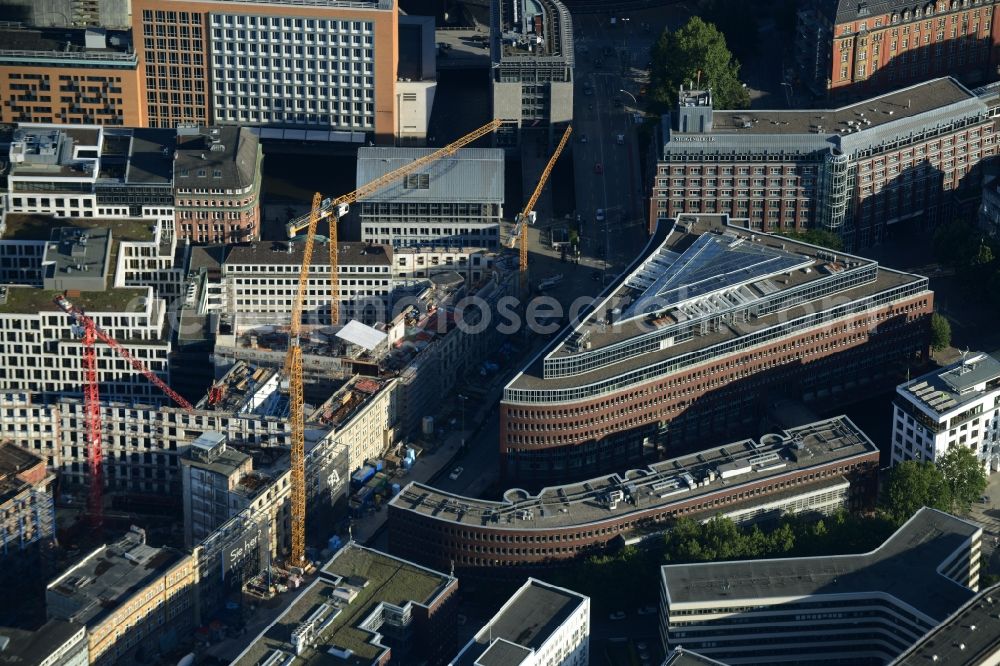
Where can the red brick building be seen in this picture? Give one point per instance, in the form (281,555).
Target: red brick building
(820,467)
(713,325)
(854,48)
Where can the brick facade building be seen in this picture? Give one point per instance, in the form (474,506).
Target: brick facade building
(849,49)
(863,171)
(708,328)
(820,467)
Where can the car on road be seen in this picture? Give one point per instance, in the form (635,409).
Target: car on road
(583,138)
(588,91)
(985,499)
(617,615)
(647,610)
(596,276)
(598,62)
(455,473)
(599,215)
(598,168)
(620,139)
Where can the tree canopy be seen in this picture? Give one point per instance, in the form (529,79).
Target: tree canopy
(914,484)
(695,51)
(940,332)
(965,476)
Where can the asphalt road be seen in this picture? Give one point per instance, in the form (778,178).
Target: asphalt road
(609,65)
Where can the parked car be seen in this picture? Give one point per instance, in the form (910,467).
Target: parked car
(620,139)
(455,473)
(599,215)
(598,168)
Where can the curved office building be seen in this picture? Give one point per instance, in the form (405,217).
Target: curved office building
(709,327)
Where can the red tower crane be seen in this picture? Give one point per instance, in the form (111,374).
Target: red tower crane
(92,404)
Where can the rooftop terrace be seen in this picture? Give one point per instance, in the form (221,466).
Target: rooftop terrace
(28,227)
(372,578)
(904,567)
(947,389)
(654,487)
(700,282)
(31,301)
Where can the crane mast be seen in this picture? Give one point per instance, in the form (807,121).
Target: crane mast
(296,401)
(334,209)
(92,401)
(527,215)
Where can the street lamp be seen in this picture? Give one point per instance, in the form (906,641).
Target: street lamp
(789,92)
(634,100)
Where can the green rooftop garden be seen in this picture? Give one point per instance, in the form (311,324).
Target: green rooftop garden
(26,227)
(28,300)
(389,580)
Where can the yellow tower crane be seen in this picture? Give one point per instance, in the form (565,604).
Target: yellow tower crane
(527,216)
(337,208)
(293,369)
(334,209)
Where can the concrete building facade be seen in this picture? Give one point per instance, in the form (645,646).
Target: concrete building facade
(862,171)
(958,405)
(128,595)
(708,325)
(850,49)
(540,625)
(456,202)
(820,468)
(860,609)
(531,52)
(309,64)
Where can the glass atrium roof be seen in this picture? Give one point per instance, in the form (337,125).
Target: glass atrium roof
(713,263)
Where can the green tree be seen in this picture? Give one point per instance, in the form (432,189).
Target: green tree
(965,476)
(940,332)
(820,237)
(912,485)
(697,51)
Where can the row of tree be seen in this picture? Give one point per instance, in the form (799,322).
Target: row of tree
(629,576)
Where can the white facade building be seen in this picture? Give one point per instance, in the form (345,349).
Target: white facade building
(958,405)
(454,202)
(864,608)
(363,417)
(90,171)
(540,625)
(260,281)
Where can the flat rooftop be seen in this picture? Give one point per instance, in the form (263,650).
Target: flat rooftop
(904,566)
(77,253)
(269,253)
(31,301)
(699,282)
(215,157)
(870,113)
(376,578)
(93,589)
(151,156)
(521,36)
(947,389)
(34,647)
(656,486)
(47,150)
(473,175)
(976,626)
(522,626)
(31,227)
